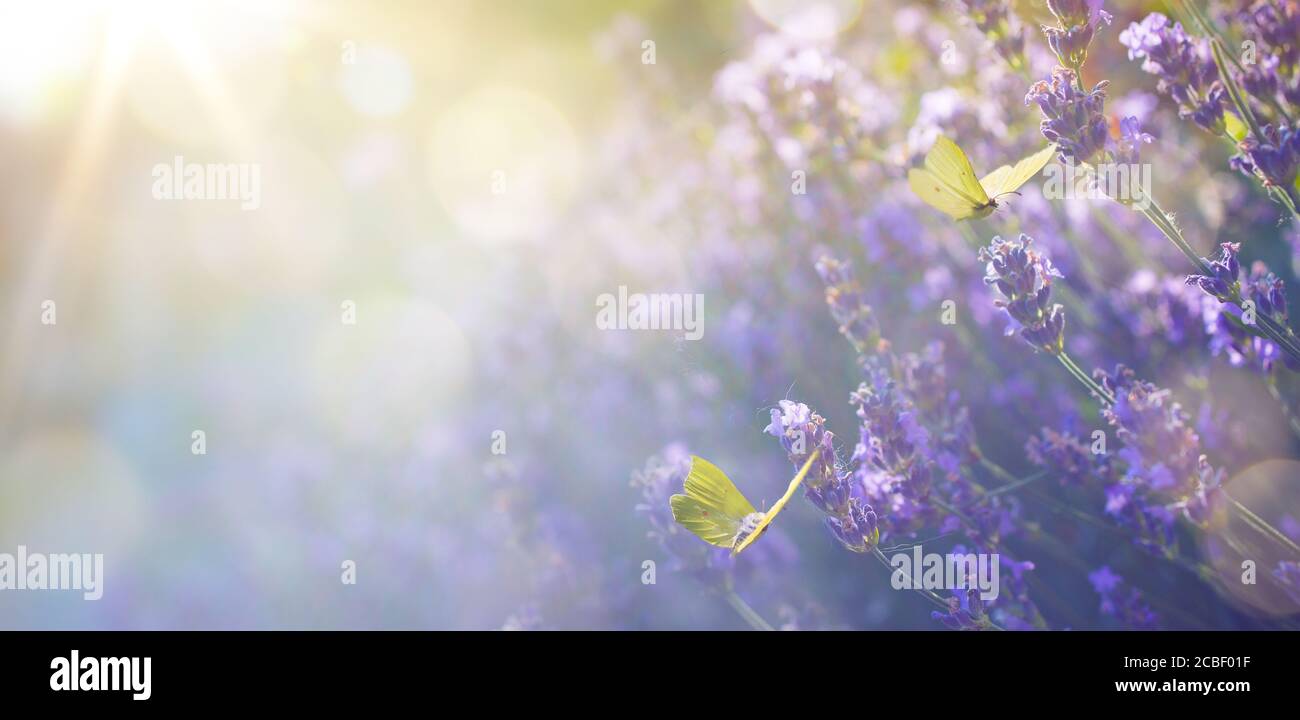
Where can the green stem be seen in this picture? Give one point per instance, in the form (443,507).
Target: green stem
(997,470)
(1015,485)
(1256,521)
(1160,219)
(1202,571)
(1274,330)
(1077,514)
(1063,554)
(1267,326)
(1283,195)
(1218,44)
(1234,92)
(1263,526)
(1109,399)
(928,594)
(1092,385)
(1289,414)
(1243,108)
(1001,473)
(743,609)
(966,521)
(1207,25)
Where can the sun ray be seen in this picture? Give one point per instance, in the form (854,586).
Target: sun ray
(83,163)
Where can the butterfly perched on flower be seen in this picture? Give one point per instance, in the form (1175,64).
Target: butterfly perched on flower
(947,181)
(716,511)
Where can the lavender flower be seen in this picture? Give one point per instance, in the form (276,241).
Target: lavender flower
(1078,21)
(1015,610)
(850,519)
(965,612)
(1127,148)
(1160,311)
(1072,118)
(1260,79)
(1267,291)
(1227,323)
(1222,281)
(1167,472)
(1184,66)
(924,375)
(1150,522)
(1287,574)
(1276,155)
(1024,278)
(1122,602)
(849,307)
(1277,25)
(1158,438)
(1067,458)
(892,454)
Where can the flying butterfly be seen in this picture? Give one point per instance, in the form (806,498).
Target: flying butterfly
(947,182)
(716,511)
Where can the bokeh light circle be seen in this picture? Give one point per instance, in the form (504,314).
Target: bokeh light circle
(378,83)
(1243,557)
(504,164)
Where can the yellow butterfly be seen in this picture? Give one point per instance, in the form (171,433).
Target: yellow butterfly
(716,512)
(947,182)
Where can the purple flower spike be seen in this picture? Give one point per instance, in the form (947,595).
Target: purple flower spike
(849,306)
(1276,156)
(1072,119)
(1024,278)
(1287,574)
(1277,24)
(1167,471)
(800,430)
(1261,288)
(1067,458)
(965,612)
(1078,20)
(1122,602)
(1222,279)
(893,454)
(1184,66)
(1128,148)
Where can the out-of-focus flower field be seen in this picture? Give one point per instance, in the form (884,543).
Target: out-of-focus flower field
(395,363)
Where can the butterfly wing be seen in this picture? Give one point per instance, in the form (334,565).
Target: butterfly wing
(938,195)
(1009,178)
(950,164)
(947,182)
(712,507)
(704,521)
(780,504)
